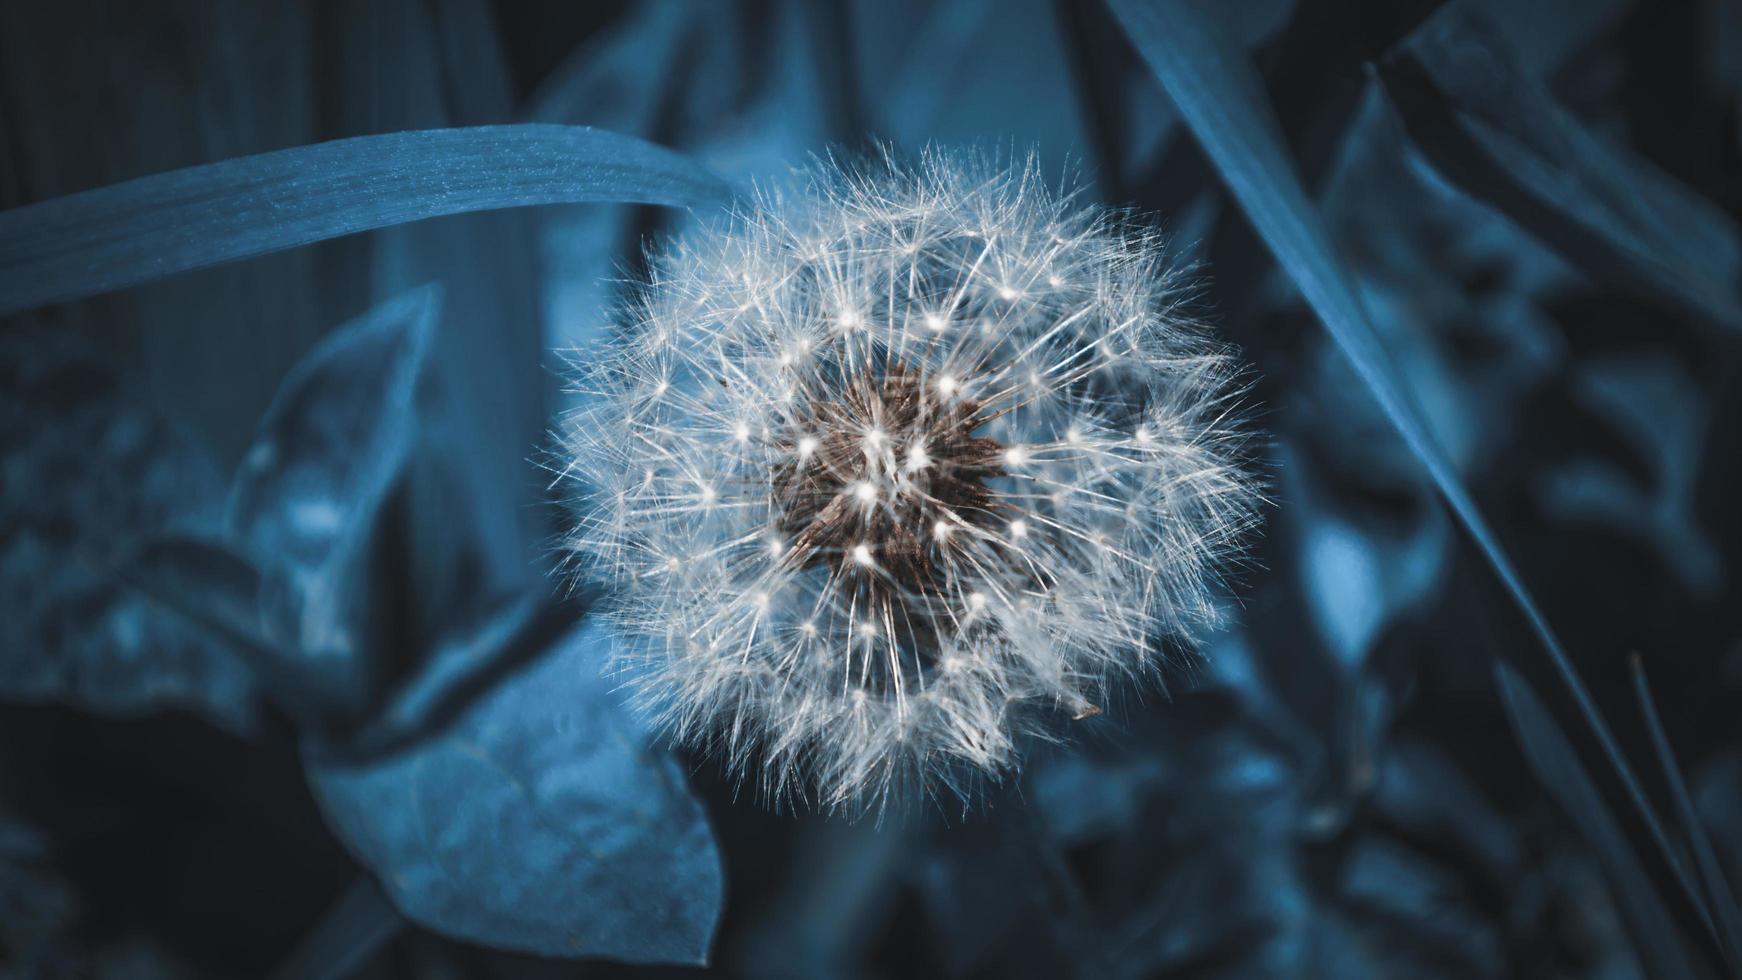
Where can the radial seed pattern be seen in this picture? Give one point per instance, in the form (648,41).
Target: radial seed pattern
(889,469)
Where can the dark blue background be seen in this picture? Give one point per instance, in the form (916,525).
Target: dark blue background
(222,722)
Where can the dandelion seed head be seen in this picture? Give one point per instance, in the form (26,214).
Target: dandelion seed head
(894,469)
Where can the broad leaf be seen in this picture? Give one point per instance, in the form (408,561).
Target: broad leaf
(213,589)
(1645,399)
(539,820)
(1357,579)
(146,229)
(312,491)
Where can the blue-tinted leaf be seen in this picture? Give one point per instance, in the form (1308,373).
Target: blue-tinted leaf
(539,820)
(1645,397)
(211,588)
(157,226)
(1555,762)
(1081,797)
(1414,918)
(1179,838)
(1498,133)
(1468,357)
(1220,96)
(1357,579)
(88,473)
(477,649)
(1547,33)
(202,581)
(329,450)
(1422,789)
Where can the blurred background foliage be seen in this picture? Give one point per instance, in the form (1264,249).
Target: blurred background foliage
(1537,204)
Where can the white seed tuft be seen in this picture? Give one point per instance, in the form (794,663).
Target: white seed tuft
(920,457)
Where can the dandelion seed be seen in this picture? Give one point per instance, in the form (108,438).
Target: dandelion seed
(961,515)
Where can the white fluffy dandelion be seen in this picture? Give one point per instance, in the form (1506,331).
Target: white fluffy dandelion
(889,469)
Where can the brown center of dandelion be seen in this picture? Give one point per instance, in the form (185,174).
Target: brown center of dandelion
(886,476)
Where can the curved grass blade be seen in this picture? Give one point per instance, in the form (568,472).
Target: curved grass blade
(1720,904)
(1223,103)
(153,227)
(1556,763)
